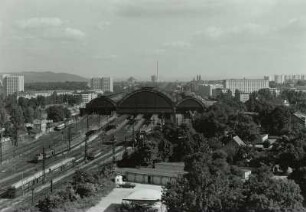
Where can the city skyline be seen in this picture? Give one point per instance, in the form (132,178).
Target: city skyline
(217,39)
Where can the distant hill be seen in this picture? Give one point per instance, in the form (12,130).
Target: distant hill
(50,77)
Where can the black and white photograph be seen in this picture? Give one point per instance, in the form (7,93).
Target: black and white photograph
(152,105)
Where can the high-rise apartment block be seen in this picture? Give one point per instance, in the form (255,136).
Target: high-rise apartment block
(13,84)
(107,84)
(154,78)
(104,84)
(245,85)
(282,78)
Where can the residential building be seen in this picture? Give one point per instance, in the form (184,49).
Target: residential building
(219,91)
(245,85)
(88,96)
(104,84)
(270,78)
(13,84)
(206,90)
(107,84)
(154,78)
(300,118)
(95,83)
(280,79)
(242,97)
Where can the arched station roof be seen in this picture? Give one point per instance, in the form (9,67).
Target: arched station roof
(101,105)
(190,104)
(146,100)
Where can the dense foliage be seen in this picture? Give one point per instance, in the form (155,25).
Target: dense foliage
(84,185)
(15,113)
(42,86)
(212,184)
(58,113)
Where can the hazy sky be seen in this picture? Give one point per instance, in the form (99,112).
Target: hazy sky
(122,38)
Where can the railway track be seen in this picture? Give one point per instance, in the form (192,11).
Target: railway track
(41,191)
(25,168)
(121,132)
(53,138)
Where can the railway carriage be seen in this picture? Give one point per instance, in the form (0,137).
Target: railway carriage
(36,179)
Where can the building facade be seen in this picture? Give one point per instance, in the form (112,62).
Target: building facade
(88,96)
(284,78)
(104,84)
(206,90)
(13,84)
(107,84)
(245,85)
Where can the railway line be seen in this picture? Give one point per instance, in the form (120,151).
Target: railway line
(38,192)
(22,167)
(53,138)
(99,140)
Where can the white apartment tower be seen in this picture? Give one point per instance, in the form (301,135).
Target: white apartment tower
(107,84)
(104,84)
(13,84)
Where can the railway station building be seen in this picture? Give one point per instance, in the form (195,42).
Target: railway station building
(147,100)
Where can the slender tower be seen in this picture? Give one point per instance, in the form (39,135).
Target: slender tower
(157,73)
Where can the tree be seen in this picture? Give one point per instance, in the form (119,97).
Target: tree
(41,101)
(208,187)
(280,121)
(58,113)
(245,127)
(213,123)
(29,114)
(17,117)
(204,188)
(3,117)
(266,194)
(299,177)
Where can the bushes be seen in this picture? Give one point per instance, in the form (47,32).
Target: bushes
(84,191)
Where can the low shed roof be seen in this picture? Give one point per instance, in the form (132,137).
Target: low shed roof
(145,195)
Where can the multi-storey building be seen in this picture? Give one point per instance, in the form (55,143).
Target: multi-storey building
(245,85)
(96,83)
(13,84)
(206,90)
(280,79)
(104,84)
(88,96)
(154,78)
(107,84)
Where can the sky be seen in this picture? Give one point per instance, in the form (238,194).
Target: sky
(218,39)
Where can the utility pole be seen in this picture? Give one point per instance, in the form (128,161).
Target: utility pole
(102,142)
(69,138)
(85,150)
(51,185)
(113,147)
(87,123)
(16,142)
(32,195)
(1,157)
(134,129)
(44,165)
